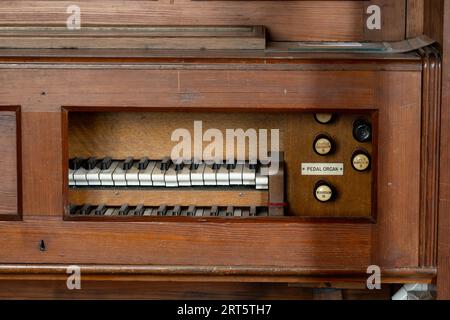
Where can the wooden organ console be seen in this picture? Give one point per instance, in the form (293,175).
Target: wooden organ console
(87,122)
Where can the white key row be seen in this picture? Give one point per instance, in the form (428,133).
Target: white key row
(242,174)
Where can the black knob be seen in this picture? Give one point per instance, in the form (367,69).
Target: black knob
(362,130)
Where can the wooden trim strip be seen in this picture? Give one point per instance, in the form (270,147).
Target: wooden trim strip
(213,273)
(431,92)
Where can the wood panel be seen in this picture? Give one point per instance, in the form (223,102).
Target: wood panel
(415,10)
(443,281)
(10,195)
(202,243)
(163,38)
(286,20)
(398,184)
(42,158)
(173,291)
(392,242)
(431,109)
(355,191)
(194,89)
(393,15)
(158,196)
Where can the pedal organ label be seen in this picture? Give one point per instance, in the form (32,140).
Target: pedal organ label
(322,169)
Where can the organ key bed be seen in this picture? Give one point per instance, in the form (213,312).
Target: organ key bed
(252,149)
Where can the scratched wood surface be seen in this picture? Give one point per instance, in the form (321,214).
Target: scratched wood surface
(8,162)
(285,20)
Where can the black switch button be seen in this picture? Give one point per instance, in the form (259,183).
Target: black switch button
(362,130)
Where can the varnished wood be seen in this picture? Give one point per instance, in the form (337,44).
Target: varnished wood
(41,139)
(159,196)
(99,89)
(308,20)
(158,37)
(398,198)
(10,154)
(264,244)
(173,291)
(344,278)
(415,18)
(393,15)
(443,281)
(431,111)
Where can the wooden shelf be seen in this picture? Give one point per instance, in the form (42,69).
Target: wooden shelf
(157,37)
(156,196)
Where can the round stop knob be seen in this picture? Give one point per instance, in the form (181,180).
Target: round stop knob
(324,118)
(324,192)
(323,145)
(361,161)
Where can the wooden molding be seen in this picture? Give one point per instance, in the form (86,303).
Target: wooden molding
(212,273)
(431,91)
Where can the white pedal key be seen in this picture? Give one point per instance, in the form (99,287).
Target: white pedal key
(71,179)
(158,175)
(106,175)
(184,176)
(210,175)
(236,175)
(197,174)
(262,181)
(132,175)
(223,176)
(199,212)
(148,212)
(119,175)
(109,212)
(79,177)
(93,171)
(145,175)
(248,175)
(171,177)
(237,212)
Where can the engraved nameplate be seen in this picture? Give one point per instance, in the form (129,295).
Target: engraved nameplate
(322,169)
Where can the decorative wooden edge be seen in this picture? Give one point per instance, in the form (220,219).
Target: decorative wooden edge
(135,37)
(212,273)
(429,192)
(18,215)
